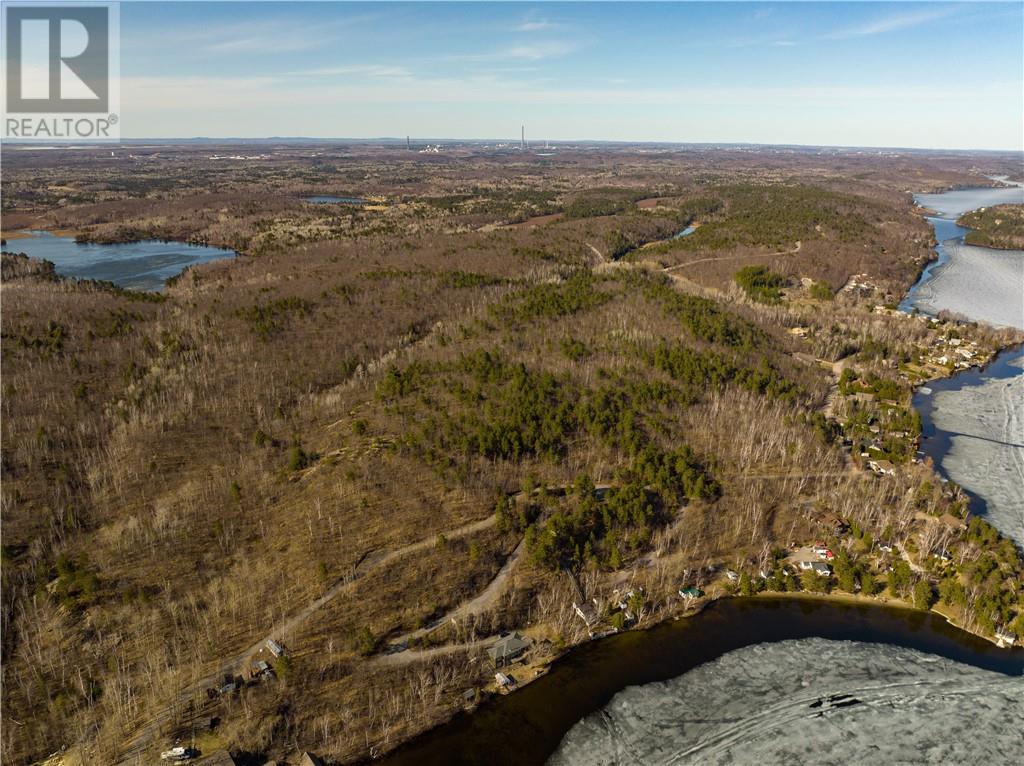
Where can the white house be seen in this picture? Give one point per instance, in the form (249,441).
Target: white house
(819,567)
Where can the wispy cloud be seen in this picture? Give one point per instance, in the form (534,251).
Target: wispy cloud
(534,51)
(538,51)
(161,94)
(893,23)
(535,26)
(356,70)
(266,37)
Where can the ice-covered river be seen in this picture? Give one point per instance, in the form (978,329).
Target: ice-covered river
(973,424)
(806,701)
(980,283)
(973,430)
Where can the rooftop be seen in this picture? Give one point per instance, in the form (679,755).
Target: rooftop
(508,646)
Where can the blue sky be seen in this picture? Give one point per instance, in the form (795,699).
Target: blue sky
(932,75)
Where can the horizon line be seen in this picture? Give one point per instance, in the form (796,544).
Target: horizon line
(28,142)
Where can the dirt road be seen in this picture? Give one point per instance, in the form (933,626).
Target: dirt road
(477,605)
(148,733)
(795,250)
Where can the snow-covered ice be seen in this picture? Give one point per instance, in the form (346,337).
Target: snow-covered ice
(953,204)
(983,422)
(806,701)
(982,284)
(986,454)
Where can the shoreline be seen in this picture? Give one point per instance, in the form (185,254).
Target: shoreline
(141,271)
(30,233)
(941,262)
(988,499)
(682,612)
(573,660)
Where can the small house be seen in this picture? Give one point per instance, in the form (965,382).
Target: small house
(817,567)
(882,467)
(261,669)
(733,576)
(691,593)
(275,648)
(507,649)
(585,613)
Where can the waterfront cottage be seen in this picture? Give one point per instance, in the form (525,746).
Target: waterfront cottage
(817,567)
(507,649)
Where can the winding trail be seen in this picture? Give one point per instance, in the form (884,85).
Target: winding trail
(795,250)
(480,603)
(135,751)
(410,656)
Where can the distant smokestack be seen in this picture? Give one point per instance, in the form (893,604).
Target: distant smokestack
(523,138)
(408,143)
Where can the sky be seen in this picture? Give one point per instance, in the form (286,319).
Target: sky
(928,75)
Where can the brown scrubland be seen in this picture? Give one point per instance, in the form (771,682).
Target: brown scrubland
(351,430)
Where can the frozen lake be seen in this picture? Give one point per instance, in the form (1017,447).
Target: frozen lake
(980,283)
(742,666)
(953,204)
(145,265)
(974,431)
(805,701)
(327,199)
